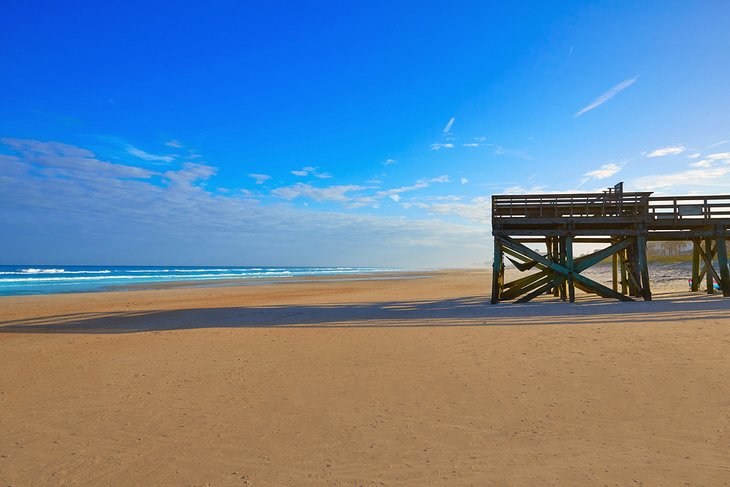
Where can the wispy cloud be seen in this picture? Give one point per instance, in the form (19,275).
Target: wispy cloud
(174,143)
(606,170)
(471,144)
(330,193)
(311,171)
(607,96)
(711,159)
(438,146)
(477,210)
(712,146)
(260,178)
(464,180)
(97,209)
(693,177)
(147,156)
(671,150)
(389,162)
(694,156)
(449,124)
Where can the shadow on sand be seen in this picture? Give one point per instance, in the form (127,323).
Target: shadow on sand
(466,311)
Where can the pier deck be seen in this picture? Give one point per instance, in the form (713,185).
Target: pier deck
(625,221)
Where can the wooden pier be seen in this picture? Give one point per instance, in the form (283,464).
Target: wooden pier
(624,221)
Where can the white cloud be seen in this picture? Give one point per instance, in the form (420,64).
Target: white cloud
(147,156)
(120,214)
(471,145)
(464,180)
(696,177)
(720,156)
(173,143)
(389,162)
(394,197)
(330,193)
(311,171)
(694,156)
(260,178)
(605,171)
(438,146)
(477,210)
(607,96)
(447,128)
(702,163)
(667,151)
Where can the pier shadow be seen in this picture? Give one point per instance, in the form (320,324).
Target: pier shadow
(471,311)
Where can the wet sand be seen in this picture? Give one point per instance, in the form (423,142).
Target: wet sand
(382,382)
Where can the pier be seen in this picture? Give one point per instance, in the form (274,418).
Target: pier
(623,221)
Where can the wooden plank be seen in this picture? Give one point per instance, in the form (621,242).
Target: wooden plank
(708,266)
(569,264)
(643,267)
(513,293)
(597,287)
(542,290)
(497,272)
(695,265)
(722,262)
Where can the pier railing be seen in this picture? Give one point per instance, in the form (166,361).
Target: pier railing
(573,205)
(677,209)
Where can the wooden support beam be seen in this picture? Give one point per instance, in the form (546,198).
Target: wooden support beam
(643,267)
(722,263)
(542,290)
(708,263)
(594,286)
(526,284)
(624,273)
(695,265)
(539,283)
(569,266)
(614,269)
(497,272)
(709,269)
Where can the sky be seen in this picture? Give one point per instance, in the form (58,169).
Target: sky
(340,133)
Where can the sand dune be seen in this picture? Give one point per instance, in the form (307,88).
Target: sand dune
(398,382)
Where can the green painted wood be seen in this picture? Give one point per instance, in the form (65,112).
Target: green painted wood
(523,281)
(709,269)
(624,272)
(598,288)
(722,263)
(586,261)
(569,265)
(539,283)
(695,265)
(614,271)
(539,291)
(643,267)
(708,251)
(497,272)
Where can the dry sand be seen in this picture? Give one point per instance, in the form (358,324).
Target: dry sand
(401,382)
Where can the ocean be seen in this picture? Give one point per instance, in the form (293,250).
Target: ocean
(44,279)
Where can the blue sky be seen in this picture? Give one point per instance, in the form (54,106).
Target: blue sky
(340,133)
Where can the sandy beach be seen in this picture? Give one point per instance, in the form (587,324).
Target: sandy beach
(362,382)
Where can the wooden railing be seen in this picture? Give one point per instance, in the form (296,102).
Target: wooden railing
(673,209)
(573,205)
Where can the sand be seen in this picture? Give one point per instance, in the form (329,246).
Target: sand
(398,382)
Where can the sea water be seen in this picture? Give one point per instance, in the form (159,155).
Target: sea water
(44,279)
